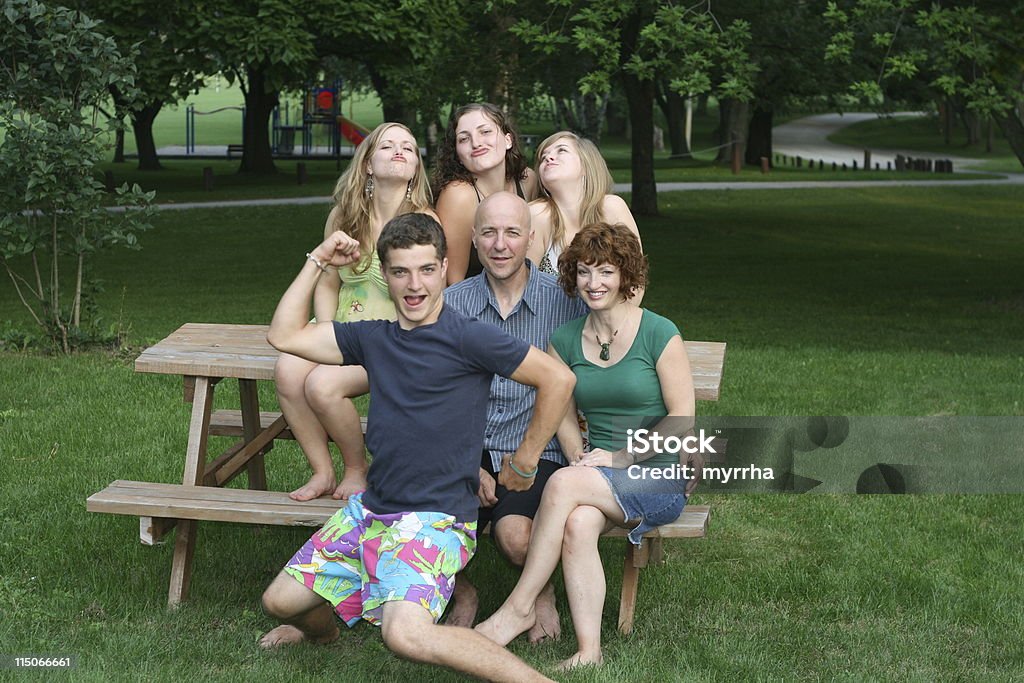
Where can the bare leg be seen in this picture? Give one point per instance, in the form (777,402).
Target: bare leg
(464,603)
(329,391)
(567,489)
(584,582)
(290,375)
(410,632)
(305,614)
(512,536)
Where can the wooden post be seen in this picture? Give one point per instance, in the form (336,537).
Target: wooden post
(867,160)
(737,161)
(888,166)
(765,166)
(799,162)
(901,162)
(854,164)
(301,175)
(208,178)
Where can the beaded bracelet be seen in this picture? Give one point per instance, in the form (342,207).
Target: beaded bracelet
(524,475)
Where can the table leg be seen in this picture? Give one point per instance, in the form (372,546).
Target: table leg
(195,468)
(250,403)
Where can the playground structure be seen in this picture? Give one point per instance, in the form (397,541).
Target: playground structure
(319,131)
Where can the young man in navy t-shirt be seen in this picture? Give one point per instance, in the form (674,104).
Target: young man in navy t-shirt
(390,556)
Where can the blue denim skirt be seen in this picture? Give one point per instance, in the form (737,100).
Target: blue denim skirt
(653,502)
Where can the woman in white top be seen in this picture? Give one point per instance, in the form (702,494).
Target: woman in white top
(575,191)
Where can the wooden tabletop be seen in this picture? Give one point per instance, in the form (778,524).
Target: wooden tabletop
(242,351)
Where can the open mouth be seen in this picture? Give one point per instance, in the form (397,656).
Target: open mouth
(414,301)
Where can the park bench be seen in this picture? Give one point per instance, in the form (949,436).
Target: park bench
(204,354)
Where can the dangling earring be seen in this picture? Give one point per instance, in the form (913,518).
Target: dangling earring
(368,188)
(408,191)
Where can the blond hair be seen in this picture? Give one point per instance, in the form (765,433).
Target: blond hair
(354,213)
(597,182)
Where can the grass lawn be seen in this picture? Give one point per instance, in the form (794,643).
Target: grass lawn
(924,134)
(862,301)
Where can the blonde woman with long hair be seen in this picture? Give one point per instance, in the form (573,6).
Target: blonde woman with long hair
(576,190)
(385,178)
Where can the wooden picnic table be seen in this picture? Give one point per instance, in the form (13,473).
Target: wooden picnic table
(203,354)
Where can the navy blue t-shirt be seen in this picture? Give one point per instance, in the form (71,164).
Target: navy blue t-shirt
(428,408)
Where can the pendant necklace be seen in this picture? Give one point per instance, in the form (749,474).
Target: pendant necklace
(605,351)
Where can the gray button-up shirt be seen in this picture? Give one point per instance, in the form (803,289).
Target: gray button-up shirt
(543,308)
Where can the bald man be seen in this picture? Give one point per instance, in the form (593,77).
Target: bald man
(514,295)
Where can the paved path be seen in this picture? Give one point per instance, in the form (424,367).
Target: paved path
(806,137)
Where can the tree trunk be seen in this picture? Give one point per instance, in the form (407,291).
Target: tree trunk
(1013,128)
(732,127)
(119,146)
(759,135)
(590,110)
(640,96)
(395,109)
(257,156)
(673,106)
(615,119)
(142,124)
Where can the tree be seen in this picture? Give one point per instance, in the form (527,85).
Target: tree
(54,67)
(786,43)
(168,60)
(968,52)
(639,43)
(265,45)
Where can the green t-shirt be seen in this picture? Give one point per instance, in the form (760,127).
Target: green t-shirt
(628,389)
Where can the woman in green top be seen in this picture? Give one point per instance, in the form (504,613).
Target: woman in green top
(629,364)
(384,179)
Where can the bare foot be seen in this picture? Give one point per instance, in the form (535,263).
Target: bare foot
(464,604)
(505,624)
(318,485)
(286,634)
(352,483)
(548,625)
(580,659)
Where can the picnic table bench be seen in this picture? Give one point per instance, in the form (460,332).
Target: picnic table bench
(205,354)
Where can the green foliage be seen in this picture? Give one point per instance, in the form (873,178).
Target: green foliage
(55,67)
(969,54)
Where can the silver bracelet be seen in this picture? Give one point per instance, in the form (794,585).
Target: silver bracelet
(315,260)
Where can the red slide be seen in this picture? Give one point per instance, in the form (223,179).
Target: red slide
(352,131)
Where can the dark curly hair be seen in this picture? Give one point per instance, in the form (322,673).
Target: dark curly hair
(448,168)
(599,243)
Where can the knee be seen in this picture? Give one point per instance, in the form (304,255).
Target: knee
(290,374)
(560,487)
(404,640)
(513,538)
(322,389)
(274,604)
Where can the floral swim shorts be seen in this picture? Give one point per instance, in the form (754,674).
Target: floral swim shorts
(359,560)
